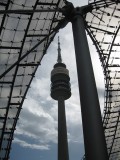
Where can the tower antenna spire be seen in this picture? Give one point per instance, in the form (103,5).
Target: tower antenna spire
(59,60)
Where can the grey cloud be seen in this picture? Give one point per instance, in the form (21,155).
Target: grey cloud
(29,145)
(39,115)
(36,123)
(101,92)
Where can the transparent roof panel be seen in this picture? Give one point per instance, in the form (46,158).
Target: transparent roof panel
(24,39)
(103,26)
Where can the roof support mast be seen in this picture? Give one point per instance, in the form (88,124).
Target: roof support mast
(94,138)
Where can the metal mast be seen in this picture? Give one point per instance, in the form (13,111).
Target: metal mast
(94,138)
(60,91)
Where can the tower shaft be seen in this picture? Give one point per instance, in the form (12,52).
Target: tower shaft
(62,131)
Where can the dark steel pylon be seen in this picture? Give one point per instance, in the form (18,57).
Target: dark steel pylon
(94,138)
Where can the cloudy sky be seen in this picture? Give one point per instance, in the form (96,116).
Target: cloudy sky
(36,134)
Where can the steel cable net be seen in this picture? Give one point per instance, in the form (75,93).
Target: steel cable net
(24,39)
(103,26)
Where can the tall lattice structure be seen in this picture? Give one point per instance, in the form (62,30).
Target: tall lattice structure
(24,43)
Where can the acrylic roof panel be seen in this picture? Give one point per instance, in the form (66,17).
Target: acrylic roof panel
(103,26)
(24,39)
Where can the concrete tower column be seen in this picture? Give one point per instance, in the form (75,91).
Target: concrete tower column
(60,91)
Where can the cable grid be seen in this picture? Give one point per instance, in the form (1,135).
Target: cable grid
(27,29)
(103,26)
(24,39)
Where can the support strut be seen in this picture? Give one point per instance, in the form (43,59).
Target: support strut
(94,138)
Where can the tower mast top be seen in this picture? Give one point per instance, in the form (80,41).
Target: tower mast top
(59,60)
